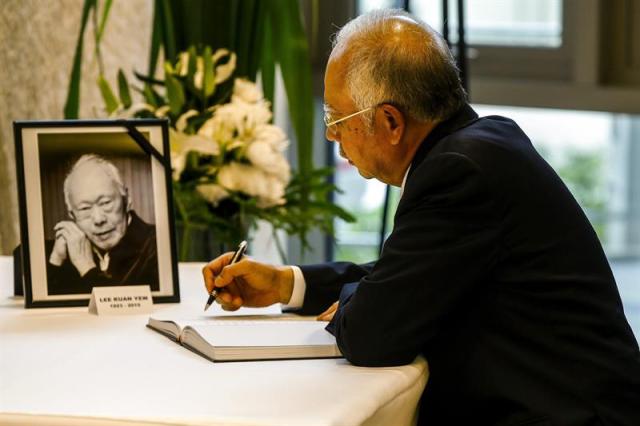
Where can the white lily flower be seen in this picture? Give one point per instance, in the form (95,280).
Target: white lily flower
(272,135)
(239,178)
(223,71)
(235,114)
(274,195)
(181,123)
(236,144)
(264,156)
(268,189)
(245,91)
(218,128)
(182,66)
(181,144)
(212,192)
(242,117)
(162,111)
(198,76)
(253,114)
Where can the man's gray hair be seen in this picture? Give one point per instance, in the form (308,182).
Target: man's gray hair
(421,79)
(107,166)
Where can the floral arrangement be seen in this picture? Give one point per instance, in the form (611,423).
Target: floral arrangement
(228,159)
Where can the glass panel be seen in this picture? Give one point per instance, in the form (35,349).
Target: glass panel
(359,241)
(365,6)
(492,22)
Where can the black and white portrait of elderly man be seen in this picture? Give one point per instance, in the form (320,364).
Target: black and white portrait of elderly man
(103,242)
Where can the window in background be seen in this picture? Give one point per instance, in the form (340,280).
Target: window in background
(509,39)
(365,6)
(593,152)
(359,241)
(533,23)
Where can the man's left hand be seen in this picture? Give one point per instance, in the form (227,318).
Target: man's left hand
(329,313)
(78,246)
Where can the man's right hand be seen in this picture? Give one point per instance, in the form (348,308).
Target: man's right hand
(248,283)
(77,246)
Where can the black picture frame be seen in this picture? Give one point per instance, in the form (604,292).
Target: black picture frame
(139,150)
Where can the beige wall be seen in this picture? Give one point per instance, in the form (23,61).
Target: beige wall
(37,42)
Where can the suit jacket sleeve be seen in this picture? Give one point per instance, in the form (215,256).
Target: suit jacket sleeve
(442,248)
(324,283)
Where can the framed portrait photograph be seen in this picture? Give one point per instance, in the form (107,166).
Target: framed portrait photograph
(96,209)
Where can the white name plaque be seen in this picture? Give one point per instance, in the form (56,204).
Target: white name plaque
(120,300)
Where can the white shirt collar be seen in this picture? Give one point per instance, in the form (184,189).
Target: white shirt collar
(404,180)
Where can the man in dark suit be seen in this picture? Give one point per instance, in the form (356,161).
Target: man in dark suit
(104,242)
(492,271)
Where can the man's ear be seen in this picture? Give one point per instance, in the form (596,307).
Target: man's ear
(127,204)
(126,201)
(393,122)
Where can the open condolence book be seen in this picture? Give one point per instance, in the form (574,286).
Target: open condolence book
(222,339)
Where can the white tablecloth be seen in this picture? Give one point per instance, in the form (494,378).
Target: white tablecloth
(63,366)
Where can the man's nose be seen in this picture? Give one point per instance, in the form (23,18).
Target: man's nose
(331,135)
(97,216)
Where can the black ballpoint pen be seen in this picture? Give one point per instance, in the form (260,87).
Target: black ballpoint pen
(242,247)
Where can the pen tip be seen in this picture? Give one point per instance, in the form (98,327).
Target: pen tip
(207,306)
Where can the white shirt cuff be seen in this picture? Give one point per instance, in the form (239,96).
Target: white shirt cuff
(299,288)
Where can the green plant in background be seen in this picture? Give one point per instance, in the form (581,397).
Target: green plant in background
(194,37)
(581,171)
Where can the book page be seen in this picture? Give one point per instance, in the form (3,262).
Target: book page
(166,327)
(261,333)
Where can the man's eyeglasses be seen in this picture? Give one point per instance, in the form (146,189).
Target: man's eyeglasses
(331,123)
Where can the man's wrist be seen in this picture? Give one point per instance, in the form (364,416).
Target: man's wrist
(299,288)
(56,260)
(285,288)
(84,268)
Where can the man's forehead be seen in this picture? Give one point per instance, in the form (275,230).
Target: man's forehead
(87,169)
(335,91)
(90,176)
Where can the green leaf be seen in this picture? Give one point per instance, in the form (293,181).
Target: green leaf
(103,21)
(110,101)
(157,38)
(123,90)
(267,62)
(147,79)
(193,58)
(292,53)
(190,22)
(209,81)
(169,33)
(246,20)
(175,92)
(72,104)
(151,96)
(257,33)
